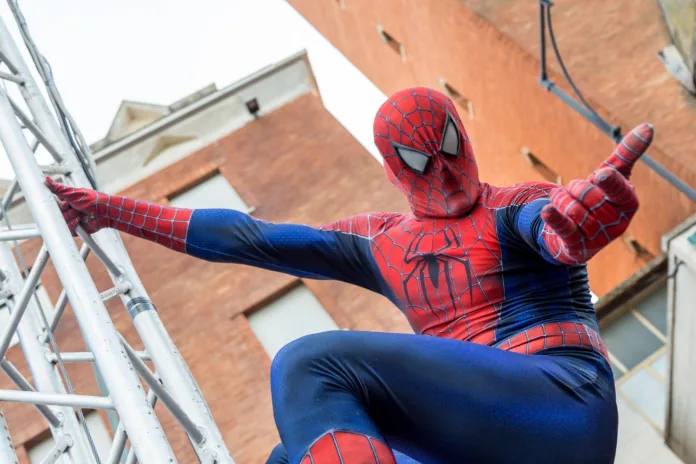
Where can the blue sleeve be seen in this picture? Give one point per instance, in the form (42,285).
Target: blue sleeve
(228,236)
(524,224)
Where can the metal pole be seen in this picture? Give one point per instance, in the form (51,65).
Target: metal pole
(119,443)
(56,100)
(58,399)
(542,40)
(87,357)
(171,367)
(63,298)
(21,301)
(26,120)
(125,389)
(11,78)
(168,362)
(120,289)
(99,253)
(58,450)
(24,385)
(131,459)
(9,196)
(45,376)
(8,63)
(52,169)
(663,172)
(179,414)
(166,358)
(7,451)
(25,233)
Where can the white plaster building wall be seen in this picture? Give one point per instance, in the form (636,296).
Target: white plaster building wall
(681,400)
(639,442)
(123,163)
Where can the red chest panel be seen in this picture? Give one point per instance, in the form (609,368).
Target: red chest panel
(446,273)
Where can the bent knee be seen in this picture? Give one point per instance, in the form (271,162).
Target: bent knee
(301,353)
(310,357)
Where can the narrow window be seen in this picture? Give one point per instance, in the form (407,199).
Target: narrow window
(629,341)
(636,342)
(456,96)
(539,166)
(212,192)
(392,42)
(293,315)
(637,249)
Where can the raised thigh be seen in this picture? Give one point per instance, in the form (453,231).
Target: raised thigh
(440,400)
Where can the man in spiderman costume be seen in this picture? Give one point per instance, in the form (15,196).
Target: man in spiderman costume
(507,364)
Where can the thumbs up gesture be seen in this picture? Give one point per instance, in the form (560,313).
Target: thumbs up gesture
(583,218)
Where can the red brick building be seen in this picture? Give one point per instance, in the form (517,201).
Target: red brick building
(484,53)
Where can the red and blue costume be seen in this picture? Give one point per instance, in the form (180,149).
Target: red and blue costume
(507,364)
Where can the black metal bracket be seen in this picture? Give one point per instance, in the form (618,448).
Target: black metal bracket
(582,107)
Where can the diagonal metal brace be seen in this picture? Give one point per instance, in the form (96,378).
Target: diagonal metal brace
(106,260)
(22,300)
(58,449)
(26,120)
(24,385)
(167,399)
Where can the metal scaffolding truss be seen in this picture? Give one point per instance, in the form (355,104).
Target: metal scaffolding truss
(119,369)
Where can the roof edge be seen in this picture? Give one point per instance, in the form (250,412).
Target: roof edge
(203,103)
(633,289)
(678,230)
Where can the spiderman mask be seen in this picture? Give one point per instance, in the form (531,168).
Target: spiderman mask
(427,153)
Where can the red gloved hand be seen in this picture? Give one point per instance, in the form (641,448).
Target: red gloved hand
(82,207)
(96,210)
(585,217)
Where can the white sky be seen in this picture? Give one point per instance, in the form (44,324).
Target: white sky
(158,51)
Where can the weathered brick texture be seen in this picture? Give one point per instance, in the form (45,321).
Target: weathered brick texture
(447,39)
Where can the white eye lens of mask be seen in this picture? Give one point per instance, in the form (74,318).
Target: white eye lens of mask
(414,159)
(450,137)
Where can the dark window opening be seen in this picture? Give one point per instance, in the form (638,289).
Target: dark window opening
(637,249)
(629,341)
(392,42)
(539,166)
(456,96)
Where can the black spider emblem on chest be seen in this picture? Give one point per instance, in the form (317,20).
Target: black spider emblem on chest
(438,260)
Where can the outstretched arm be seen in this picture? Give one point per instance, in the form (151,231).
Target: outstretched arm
(575,223)
(223,235)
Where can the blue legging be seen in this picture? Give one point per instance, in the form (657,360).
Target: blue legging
(444,401)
